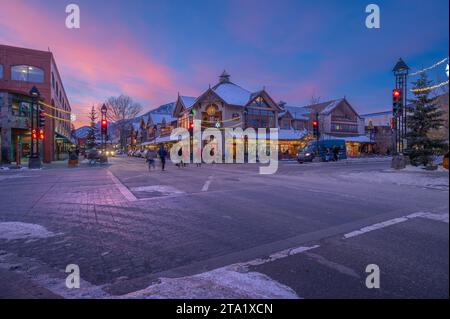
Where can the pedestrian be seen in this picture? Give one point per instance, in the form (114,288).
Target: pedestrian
(93,156)
(162,155)
(199,157)
(328,155)
(150,157)
(335,153)
(180,155)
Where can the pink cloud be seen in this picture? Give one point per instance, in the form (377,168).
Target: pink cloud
(96,71)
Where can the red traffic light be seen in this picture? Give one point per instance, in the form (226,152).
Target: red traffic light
(315,123)
(33,134)
(191,125)
(396,94)
(104,123)
(41,134)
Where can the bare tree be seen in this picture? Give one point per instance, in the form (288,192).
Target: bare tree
(314,99)
(121,110)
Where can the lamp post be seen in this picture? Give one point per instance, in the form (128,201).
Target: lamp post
(35,159)
(245,112)
(400,71)
(104,128)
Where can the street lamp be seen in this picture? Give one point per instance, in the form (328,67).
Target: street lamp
(35,159)
(104,128)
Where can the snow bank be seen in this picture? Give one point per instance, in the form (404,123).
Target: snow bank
(18,230)
(412,176)
(223,283)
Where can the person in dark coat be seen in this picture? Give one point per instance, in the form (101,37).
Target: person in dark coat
(162,155)
(335,153)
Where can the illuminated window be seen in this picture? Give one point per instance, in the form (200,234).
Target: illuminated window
(1,71)
(27,73)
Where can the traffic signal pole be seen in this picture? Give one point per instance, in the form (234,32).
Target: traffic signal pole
(34,161)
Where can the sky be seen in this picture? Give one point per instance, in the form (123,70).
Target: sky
(153,50)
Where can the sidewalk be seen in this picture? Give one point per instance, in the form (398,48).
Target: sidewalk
(18,286)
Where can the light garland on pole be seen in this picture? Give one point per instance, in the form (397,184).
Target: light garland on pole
(429,88)
(429,68)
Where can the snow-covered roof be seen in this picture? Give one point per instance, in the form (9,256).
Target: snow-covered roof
(188,101)
(291,134)
(160,118)
(298,113)
(232,93)
(331,106)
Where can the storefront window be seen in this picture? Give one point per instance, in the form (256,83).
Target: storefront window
(257,118)
(20,107)
(27,73)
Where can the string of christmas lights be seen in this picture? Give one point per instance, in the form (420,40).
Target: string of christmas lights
(57,118)
(429,68)
(429,88)
(52,107)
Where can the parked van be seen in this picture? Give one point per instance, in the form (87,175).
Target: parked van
(322,149)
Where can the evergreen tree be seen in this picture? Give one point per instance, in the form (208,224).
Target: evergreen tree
(92,132)
(423,116)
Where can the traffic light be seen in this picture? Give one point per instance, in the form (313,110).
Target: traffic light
(33,134)
(396,100)
(315,124)
(41,118)
(191,128)
(41,134)
(104,126)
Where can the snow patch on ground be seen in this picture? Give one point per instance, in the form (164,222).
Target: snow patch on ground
(164,190)
(223,283)
(230,282)
(11,177)
(18,230)
(51,279)
(412,176)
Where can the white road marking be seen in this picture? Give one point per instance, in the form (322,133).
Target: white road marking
(439,217)
(207,183)
(390,222)
(279,255)
(122,188)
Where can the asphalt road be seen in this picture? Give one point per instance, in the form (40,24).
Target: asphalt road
(126,227)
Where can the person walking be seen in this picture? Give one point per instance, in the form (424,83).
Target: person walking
(162,155)
(335,153)
(150,157)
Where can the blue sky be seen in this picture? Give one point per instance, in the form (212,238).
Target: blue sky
(151,50)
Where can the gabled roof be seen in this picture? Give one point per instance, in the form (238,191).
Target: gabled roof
(324,107)
(232,93)
(187,101)
(228,92)
(297,113)
(160,118)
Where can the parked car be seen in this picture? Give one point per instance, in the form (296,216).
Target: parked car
(322,149)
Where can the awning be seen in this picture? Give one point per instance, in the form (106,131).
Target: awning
(356,139)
